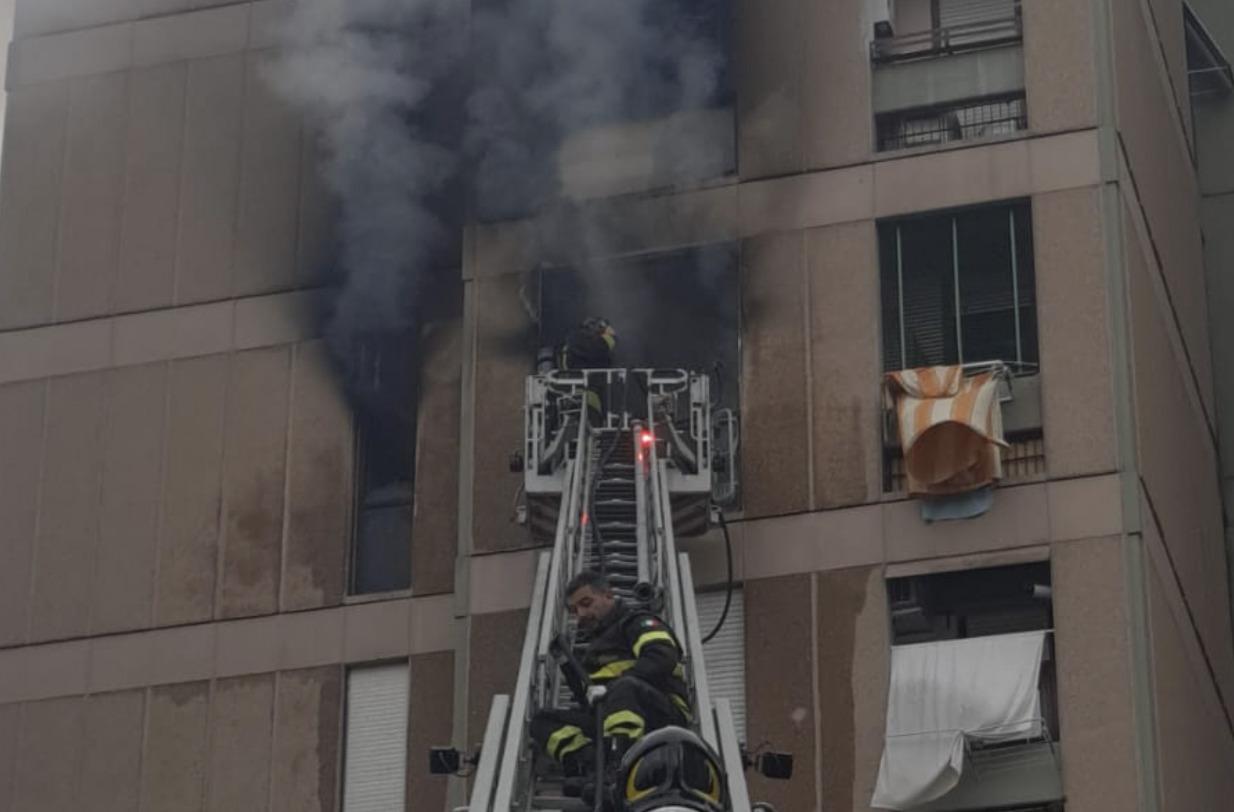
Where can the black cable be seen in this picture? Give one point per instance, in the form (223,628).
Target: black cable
(728,595)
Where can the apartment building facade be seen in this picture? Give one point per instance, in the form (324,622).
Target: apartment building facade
(228,583)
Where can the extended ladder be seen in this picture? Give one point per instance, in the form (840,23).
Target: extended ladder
(612,483)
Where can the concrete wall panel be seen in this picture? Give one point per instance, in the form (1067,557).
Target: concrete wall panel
(775,419)
(192,498)
(1077,394)
(853,671)
(1194,741)
(320,465)
(1178,466)
(1167,23)
(10,728)
(269,187)
(837,122)
(253,481)
(1094,675)
(35,124)
(432,724)
(769,52)
(844,354)
(111,763)
(496,641)
(21,437)
(435,529)
(47,764)
(1060,76)
(504,349)
(1164,182)
(35,17)
(123,593)
(92,199)
(69,511)
(306,740)
(152,187)
(779,688)
(317,214)
(174,760)
(241,727)
(209,190)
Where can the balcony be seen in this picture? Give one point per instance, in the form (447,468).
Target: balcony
(951,83)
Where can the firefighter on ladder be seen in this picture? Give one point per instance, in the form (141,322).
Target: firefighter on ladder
(590,346)
(633,660)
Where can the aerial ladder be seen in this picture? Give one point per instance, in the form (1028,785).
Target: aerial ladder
(616,464)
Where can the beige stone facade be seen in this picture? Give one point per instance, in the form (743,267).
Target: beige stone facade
(178,463)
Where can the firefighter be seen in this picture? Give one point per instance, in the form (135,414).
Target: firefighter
(633,661)
(590,346)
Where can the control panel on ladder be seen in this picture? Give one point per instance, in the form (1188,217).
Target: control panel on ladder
(616,465)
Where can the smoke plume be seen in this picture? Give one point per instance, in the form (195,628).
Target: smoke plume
(380,79)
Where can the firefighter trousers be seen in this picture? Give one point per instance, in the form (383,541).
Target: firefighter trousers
(632,708)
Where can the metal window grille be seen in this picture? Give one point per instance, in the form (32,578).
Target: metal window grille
(1023,461)
(964,121)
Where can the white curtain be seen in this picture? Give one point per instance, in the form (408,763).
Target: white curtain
(982,689)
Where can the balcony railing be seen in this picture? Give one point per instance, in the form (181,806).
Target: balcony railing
(951,40)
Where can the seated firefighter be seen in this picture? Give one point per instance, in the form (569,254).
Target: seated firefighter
(635,657)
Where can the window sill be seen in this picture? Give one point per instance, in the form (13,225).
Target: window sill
(930,149)
(374,597)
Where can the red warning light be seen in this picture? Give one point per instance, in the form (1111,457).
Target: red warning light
(648,438)
(585,518)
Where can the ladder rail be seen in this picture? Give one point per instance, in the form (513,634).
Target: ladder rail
(694,652)
(730,754)
(516,730)
(486,771)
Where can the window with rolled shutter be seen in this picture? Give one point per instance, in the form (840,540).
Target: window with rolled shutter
(963,12)
(375,759)
(725,654)
(958,287)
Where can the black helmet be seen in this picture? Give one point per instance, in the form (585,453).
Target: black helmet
(595,324)
(672,769)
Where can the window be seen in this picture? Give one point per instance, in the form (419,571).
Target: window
(976,603)
(725,654)
(375,754)
(964,646)
(958,287)
(1208,70)
(675,310)
(383,380)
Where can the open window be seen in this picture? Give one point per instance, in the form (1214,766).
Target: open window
(972,710)
(384,383)
(958,289)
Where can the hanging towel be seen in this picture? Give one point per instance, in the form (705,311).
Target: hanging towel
(951,428)
(944,694)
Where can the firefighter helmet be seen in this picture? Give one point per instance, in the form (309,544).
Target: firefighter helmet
(672,769)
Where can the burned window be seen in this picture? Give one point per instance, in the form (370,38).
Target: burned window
(958,287)
(383,382)
(678,310)
(977,603)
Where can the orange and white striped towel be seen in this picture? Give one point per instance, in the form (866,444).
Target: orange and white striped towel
(951,428)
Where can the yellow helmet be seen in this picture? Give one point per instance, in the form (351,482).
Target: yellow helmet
(672,769)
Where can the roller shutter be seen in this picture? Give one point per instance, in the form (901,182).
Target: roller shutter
(375,766)
(726,652)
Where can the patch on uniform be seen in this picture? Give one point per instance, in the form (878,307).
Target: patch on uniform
(650,623)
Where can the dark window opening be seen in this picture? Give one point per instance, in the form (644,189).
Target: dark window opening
(385,389)
(976,603)
(1208,69)
(675,310)
(958,287)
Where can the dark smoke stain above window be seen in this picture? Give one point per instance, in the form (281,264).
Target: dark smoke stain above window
(674,310)
(546,70)
(958,287)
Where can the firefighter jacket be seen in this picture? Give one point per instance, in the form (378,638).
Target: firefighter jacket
(585,349)
(632,642)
